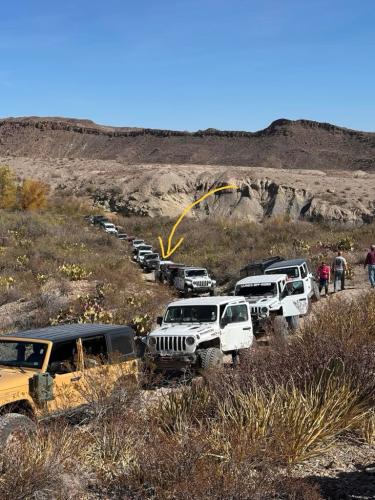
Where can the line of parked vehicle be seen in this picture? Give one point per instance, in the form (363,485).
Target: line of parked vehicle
(187,280)
(39,367)
(197,331)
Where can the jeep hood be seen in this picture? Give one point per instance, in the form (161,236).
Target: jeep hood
(263,301)
(10,378)
(186,329)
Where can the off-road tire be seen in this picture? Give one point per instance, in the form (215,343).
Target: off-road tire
(15,423)
(316,294)
(293,322)
(186,292)
(280,326)
(213,293)
(210,358)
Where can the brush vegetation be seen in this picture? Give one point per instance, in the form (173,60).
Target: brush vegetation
(237,433)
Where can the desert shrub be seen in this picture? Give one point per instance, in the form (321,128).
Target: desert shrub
(32,194)
(74,272)
(39,467)
(367,427)
(7,282)
(8,188)
(347,244)
(291,423)
(87,309)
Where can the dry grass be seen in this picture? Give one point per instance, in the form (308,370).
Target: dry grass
(49,259)
(232,436)
(225,246)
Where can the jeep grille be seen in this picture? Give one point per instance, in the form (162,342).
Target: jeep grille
(170,344)
(201,283)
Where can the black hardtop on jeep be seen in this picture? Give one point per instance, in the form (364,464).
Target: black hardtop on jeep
(119,338)
(258,267)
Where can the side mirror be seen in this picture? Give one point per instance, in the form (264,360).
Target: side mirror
(223,322)
(58,368)
(159,320)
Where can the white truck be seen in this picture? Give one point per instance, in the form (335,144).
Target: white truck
(109,228)
(194,281)
(196,333)
(275,301)
(297,270)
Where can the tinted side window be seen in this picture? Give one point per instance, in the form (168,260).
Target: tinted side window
(95,346)
(122,344)
(65,353)
(295,287)
(236,314)
(303,271)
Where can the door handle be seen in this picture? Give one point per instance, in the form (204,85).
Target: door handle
(302,300)
(75,379)
(246,328)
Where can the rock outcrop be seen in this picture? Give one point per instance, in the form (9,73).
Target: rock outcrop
(167,194)
(284,144)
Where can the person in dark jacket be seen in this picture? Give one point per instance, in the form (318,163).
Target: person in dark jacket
(370,262)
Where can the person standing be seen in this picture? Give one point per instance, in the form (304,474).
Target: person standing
(370,262)
(324,273)
(339,267)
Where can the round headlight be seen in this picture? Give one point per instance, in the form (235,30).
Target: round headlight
(264,310)
(152,341)
(190,340)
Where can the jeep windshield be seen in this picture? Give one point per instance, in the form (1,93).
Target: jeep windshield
(257,290)
(22,354)
(292,272)
(151,256)
(192,273)
(191,314)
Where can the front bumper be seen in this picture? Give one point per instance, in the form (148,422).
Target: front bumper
(200,289)
(260,323)
(173,361)
(151,267)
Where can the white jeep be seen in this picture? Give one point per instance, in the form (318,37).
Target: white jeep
(194,281)
(197,332)
(297,270)
(274,300)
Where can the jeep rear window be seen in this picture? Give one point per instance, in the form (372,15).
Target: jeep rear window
(23,354)
(196,272)
(191,314)
(257,290)
(292,272)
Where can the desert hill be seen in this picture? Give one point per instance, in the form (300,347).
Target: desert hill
(300,144)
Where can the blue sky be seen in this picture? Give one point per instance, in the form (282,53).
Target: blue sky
(189,64)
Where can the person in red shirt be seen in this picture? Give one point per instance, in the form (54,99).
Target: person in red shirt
(324,274)
(370,262)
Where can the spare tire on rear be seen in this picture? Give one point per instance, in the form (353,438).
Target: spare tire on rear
(15,424)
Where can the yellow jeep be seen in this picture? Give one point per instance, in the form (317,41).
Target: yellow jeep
(48,370)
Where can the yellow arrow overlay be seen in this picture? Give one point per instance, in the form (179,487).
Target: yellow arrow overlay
(170,250)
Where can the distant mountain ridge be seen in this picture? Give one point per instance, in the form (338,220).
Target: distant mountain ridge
(283,144)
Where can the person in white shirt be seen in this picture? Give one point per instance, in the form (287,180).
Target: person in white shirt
(339,266)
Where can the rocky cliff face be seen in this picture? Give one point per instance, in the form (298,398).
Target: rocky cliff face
(256,198)
(284,144)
